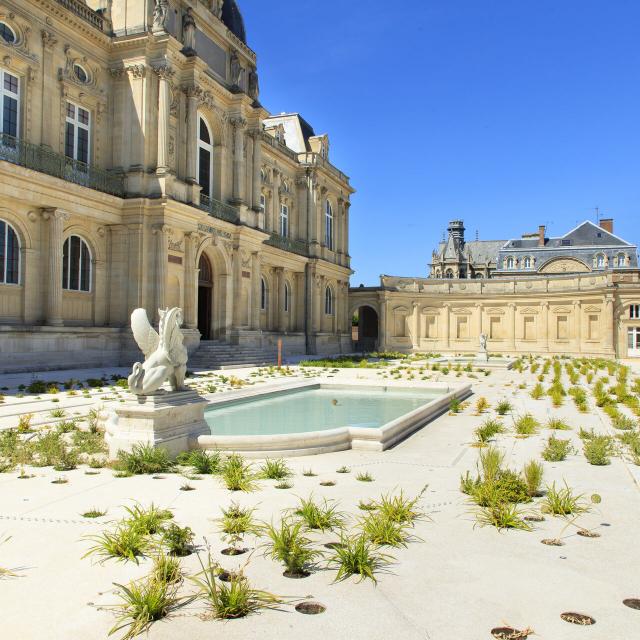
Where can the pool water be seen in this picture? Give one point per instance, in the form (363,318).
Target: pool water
(315,409)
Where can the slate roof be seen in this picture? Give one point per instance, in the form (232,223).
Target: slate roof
(233,19)
(477,251)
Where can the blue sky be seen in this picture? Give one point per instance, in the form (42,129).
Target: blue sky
(505,113)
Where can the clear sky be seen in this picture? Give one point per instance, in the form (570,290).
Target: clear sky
(505,113)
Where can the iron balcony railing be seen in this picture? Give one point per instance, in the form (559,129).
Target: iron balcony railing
(41,159)
(287,244)
(219,210)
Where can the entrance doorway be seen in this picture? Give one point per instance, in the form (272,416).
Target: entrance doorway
(365,329)
(205,297)
(633,344)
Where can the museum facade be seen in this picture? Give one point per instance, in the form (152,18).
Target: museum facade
(139,169)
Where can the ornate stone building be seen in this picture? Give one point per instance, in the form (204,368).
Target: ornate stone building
(587,248)
(139,169)
(591,314)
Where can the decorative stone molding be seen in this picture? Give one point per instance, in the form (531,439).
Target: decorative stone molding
(48,40)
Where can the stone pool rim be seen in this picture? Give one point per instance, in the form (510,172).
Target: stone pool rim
(331,440)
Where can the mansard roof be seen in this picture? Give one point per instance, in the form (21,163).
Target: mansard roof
(233,19)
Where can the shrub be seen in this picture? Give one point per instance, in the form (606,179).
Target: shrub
(24,423)
(455,404)
(178,540)
(88,442)
(37,387)
(94,513)
(290,546)
(143,459)
(598,450)
(503,407)
(364,476)
(556,449)
(237,522)
(355,555)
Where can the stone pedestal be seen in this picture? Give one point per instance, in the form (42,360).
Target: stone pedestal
(172,421)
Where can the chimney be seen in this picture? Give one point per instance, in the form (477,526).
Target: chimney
(607,224)
(541,232)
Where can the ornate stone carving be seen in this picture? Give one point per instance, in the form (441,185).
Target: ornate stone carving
(164,71)
(136,70)
(160,14)
(48,39)
(235,70)
(189,33)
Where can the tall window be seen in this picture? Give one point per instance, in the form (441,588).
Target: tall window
(328,301)
(600,260)
(264,295)
(263,202)
(328,225)
(76,265)
(287,296)
(621,260)
(9,103)
(9,254)
(284,220)
(527,263)
(449,274)
(634,311)
(510,263)
(205,158)
(76,142)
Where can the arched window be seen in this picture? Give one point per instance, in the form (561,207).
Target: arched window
(328,225)
(205,158)
(527,263)
(449,274)
(622,260)
(80,73)
(9,254)
(7,33)
(287,297)
(511,263)
(264,295)
(328,301)
(284,220)
(600,260)
(76,265)
(9,105)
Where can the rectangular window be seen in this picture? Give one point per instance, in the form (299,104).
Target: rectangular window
(284,220)
(263,202)
(9,102)
(462,328)
(529,328)
(495,328)
(204,171)
(562,328)
(634,311)
(594,327)
(77,133)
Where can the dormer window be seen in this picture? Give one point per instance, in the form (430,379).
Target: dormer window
(621,260)
(527,263)
(511,263)
(600,261)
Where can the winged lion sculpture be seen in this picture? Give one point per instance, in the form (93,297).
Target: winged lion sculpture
(164,351)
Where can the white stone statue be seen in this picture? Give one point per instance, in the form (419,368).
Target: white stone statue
(160,11)
(164,351)
(483,342)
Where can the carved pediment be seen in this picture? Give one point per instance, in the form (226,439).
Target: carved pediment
(593,309)
(495,311)
(461,311)
(561,309)
(401,309)
(529,311)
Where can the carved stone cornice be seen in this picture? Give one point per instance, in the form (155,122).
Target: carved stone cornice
(136,70)
(163,71)
(238,122)
(192,91)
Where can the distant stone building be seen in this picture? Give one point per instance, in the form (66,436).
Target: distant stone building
(586,248)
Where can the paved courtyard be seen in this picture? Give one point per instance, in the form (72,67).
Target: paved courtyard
(455,579)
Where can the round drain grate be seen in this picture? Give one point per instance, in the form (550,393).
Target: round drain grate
(310,608)
(578,618)
(632,603)
(231,551)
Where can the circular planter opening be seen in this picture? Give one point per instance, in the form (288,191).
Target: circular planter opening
(508,633)
(632,603)
(310,608)
(553,542)
(578,618)
(585,533)
(231,551)
(227,576)
(296,575)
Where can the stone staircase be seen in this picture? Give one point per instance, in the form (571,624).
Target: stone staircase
(214,354)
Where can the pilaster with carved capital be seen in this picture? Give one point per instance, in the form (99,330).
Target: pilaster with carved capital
(56,219)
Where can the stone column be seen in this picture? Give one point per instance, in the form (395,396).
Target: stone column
(512,337)
(609,324)
(238,125)
(447,325)
(49,135)
(577,312)
(275,203)
(237,287)
(415,321)
(382,333)
(347,207)
(479,309)
(545,324)
(281,316)
(164,73)
(256,289)
(319,304)
(256,134)
(56,219)
(192,93)
(190,281)
(161,232)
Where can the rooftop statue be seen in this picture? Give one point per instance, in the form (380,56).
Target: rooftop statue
(164,351)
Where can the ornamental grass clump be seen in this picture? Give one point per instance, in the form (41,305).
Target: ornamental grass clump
(556,449)
(229,600)
(482,404)
(488,430)
(357,556)
(143,459)
(238,475)
(178,540)
(526,425)
(563,502)
(320,516)
(504,407)
(537,392)
(235,524)
(275,469)
(166,568)
(149,521)
(201,461)
(288,545)
(557,424)
(598,450)
(401,509)
(125,542)
(501,515)
(533,473)
(384,532)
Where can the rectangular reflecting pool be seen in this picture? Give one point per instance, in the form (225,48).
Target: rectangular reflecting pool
(315,409)
(310,417)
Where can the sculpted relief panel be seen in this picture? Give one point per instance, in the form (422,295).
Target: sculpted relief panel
(566,265)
